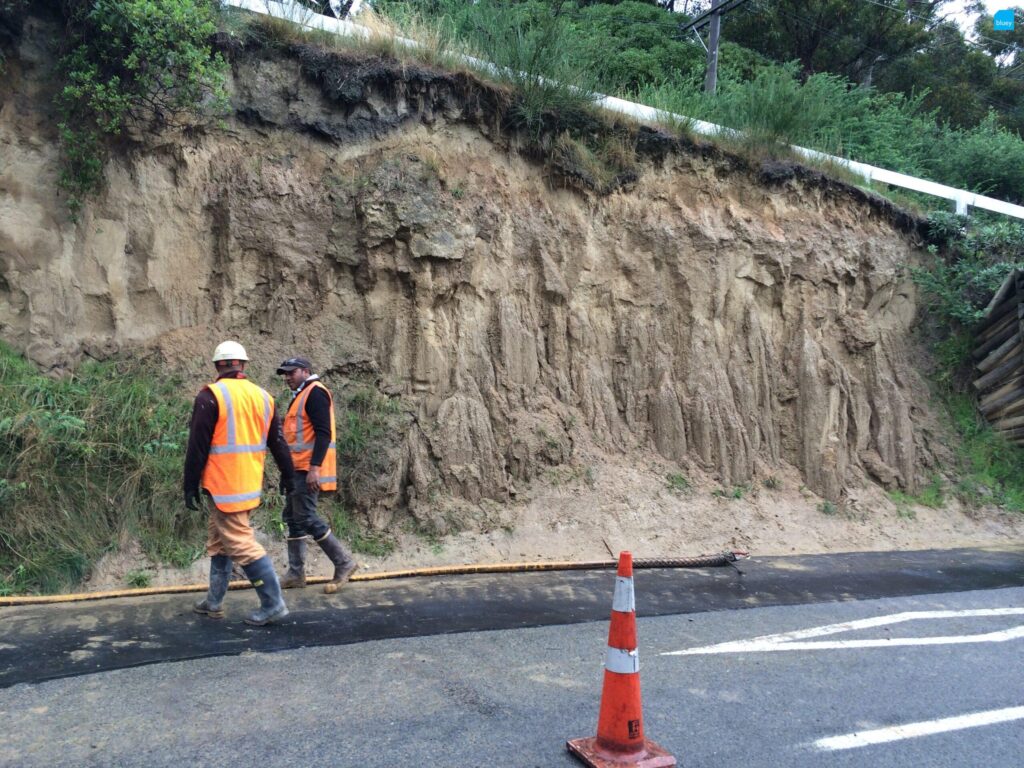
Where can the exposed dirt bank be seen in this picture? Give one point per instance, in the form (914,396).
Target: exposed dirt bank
(555,354)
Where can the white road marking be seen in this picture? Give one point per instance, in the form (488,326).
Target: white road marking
(789,641)
(913,730)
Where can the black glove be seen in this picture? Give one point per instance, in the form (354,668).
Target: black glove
(287,485)
(192,500)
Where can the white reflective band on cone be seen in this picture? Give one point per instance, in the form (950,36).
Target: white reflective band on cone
(623,601)
(623,662)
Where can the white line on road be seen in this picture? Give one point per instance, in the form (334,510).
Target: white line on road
(913,730)
(786,640)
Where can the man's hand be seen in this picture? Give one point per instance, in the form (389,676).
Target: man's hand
(313,479)
(286,485)
(192,500)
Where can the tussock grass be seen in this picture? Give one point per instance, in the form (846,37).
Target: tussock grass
(85,461)
(368,423)
(347,526)
(380,35)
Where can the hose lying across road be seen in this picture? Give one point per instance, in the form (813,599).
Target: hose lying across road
(704,561)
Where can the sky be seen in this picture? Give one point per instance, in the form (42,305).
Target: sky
(966,21)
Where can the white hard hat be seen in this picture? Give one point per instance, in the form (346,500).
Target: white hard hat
(229,350)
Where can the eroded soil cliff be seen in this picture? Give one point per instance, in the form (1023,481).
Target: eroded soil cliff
(725,322)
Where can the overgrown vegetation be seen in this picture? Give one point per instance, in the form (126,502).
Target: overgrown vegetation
(139,579)
(90,461)
(970,259)
(131,65)
(781,93)
(932,495)
(367,424)
(991,469)
(85,461)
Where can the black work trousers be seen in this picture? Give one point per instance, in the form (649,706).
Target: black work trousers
(300,511)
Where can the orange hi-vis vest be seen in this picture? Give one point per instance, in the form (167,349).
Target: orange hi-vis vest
(234,471)
(299,434)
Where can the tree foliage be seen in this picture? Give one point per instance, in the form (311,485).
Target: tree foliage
(847,37)
(131,64)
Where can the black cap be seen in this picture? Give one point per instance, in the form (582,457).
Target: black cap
(293,363)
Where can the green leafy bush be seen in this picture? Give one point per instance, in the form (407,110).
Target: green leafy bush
(971,260)
(988,159)
(140,64)
(139,579)
(775,107)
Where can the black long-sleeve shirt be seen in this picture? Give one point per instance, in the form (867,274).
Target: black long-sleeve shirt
(318,411)
(205,412)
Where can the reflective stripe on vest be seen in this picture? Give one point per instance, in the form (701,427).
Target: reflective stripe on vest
(301,438)
(233,475)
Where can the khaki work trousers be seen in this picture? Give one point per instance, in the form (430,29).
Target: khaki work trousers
(231,534)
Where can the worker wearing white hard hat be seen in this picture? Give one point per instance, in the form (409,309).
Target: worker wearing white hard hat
(234,423)
(229,350)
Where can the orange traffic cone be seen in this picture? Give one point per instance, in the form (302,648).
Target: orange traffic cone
(620,729)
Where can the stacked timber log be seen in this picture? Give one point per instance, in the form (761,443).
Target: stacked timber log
(999,357)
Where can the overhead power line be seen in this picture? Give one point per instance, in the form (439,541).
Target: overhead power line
(723,6)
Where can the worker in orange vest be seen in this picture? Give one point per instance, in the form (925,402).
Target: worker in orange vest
(310,431)
(234,422)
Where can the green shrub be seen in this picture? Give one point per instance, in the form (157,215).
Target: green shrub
(904,504)
(736,492)
(991,469)
(139,579)
(131,64)
(971,258)
(776,108)
(988,159)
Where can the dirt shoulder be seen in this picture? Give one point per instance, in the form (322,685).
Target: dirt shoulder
(600,505)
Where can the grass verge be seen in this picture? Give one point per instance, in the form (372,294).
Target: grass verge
(85,461)
(992,469)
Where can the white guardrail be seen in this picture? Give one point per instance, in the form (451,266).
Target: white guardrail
(293,11)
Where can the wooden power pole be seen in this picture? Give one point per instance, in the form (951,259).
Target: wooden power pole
(712,16)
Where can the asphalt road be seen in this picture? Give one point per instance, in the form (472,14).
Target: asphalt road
(52,641)
(511,697)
